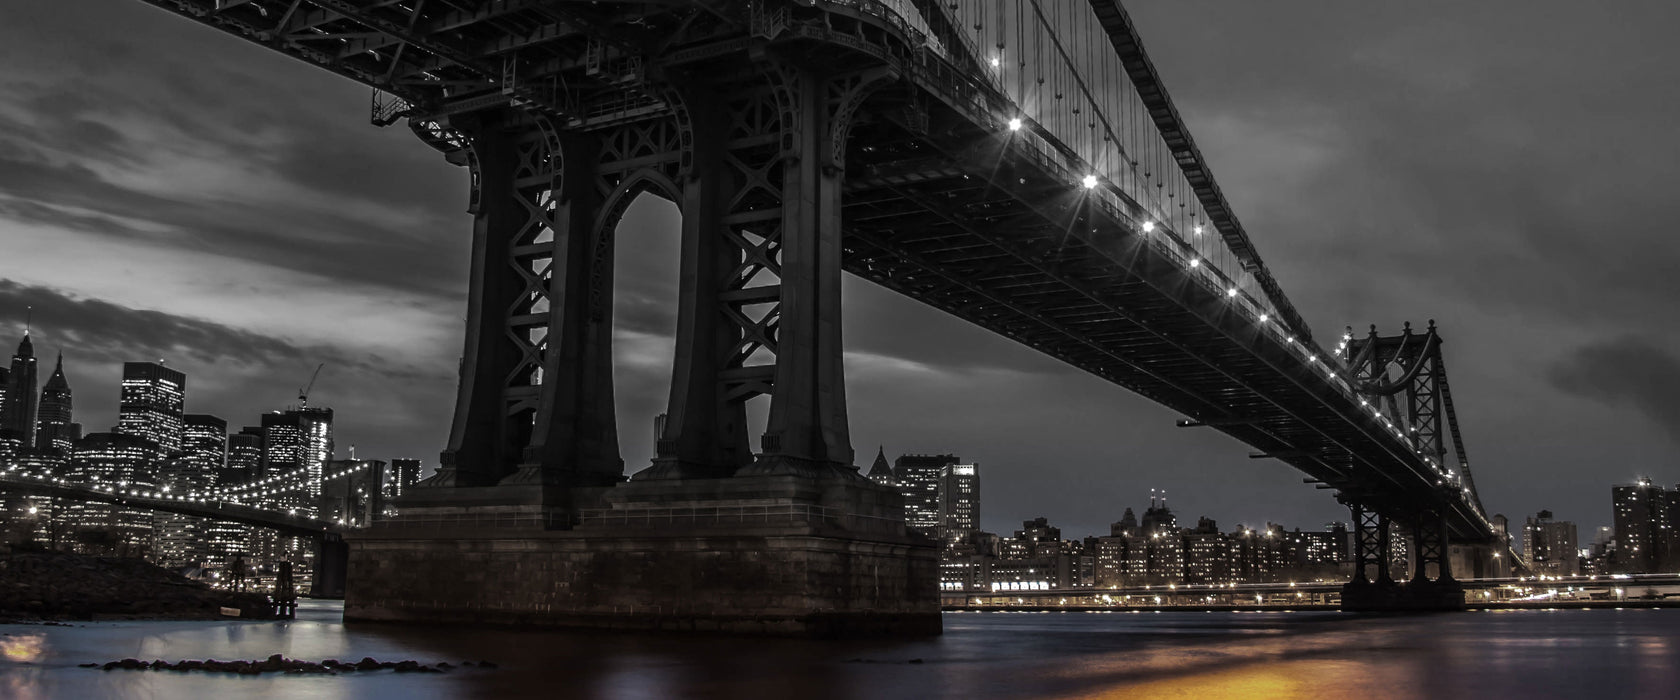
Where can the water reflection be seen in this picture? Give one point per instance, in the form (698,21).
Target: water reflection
(22,647)
(994,655)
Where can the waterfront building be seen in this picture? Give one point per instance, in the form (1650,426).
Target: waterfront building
(1550,545)
(17,409)
(1319,555)
(55,426)
(1207,558)
(1641,516)
(178,540)
(918,478)
(186,541)
(28,517)
(122,462)
(151,404)
(1259,556)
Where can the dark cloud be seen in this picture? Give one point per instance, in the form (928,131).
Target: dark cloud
(112,332)
(1632,372)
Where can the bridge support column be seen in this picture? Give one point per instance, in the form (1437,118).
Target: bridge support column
(710,536)
(332,558)
(1373,547)
(760,306)
(534,421)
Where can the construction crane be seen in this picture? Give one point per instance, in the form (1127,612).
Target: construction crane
(303,393)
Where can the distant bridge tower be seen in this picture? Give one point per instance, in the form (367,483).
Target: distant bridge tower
(1404,380)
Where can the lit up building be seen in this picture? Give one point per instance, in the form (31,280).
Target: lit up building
(32,518)
(178,539)
(1259,556)
(403,475)
(1550,545)
(298,441)
(1319,555)
(185,540)
(959,501)
(1207,558)
(17,409)
(918,478)
(1642,527)
(151,404)
(55,428)
(121,462)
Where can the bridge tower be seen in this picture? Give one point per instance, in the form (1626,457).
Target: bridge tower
(1405,379)
(531,517)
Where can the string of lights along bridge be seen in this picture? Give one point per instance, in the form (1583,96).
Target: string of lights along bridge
(1075,92)
(257,494)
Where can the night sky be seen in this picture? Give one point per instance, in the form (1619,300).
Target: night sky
(1505,167)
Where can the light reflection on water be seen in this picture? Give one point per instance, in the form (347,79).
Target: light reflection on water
(1597,653)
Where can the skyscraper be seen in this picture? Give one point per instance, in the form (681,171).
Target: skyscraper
(55,428)
(17,415)
(124,462)
(151,404)
(959,501)
(1642,527)
(405,473)
(299,440)
(181,539)
(918,480)
(245,452)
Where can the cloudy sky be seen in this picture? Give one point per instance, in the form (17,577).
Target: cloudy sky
(1503,166)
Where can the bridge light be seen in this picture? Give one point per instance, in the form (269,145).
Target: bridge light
(1090,182)
(1198,229)
(1148,226)
(996,62)
(1195,262)
(1265,317)
(1015,124)
(1232,292)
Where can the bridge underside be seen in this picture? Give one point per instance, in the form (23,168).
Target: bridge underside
(800,140)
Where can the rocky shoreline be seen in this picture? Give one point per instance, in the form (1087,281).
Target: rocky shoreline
(47,586)
(281,664)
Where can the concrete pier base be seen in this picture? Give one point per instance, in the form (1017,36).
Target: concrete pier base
(776,555)
(1412,596)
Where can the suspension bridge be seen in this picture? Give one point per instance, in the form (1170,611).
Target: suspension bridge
(264,503)
(1016,163)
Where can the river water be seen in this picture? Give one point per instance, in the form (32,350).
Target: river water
(1517,654)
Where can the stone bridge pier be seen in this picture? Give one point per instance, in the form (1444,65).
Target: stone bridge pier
(531,519)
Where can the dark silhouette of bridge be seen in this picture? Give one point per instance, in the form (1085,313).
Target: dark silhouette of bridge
(1018,164)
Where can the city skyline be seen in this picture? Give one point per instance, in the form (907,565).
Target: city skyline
(88,402)
(1546,428)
